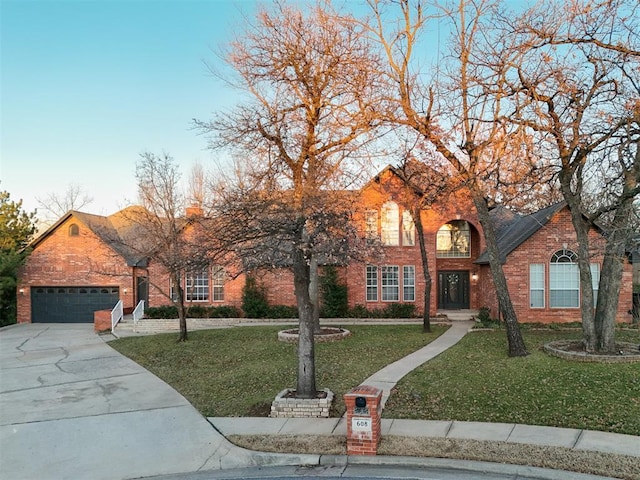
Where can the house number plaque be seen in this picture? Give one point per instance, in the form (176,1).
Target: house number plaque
(361,424)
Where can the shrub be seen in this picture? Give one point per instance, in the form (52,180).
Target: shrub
(334,295)
(399,310)
(283,311)
(163,311)
(359,311)
(197,311)
(392,310)
(223,311)
(254,299)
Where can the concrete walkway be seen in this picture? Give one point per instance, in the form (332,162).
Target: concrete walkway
(387,378)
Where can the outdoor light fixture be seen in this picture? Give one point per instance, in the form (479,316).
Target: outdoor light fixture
(474,277)
(124,291)
(21,291)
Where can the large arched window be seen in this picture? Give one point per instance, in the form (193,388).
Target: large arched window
(454,240)
(390,224)
(564,280)
(408,230)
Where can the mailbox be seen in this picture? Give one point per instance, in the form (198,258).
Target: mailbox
(364,411)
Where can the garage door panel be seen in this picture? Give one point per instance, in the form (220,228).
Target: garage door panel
(70,304)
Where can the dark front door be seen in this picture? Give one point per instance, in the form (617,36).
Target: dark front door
(142,290)
(453,290)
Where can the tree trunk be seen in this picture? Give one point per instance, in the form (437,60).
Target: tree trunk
(581,227)
(611,278)
(314,292)
(517,347)
(306,387)
(182,311)
(426,315)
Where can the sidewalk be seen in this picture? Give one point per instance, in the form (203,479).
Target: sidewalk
(573,439)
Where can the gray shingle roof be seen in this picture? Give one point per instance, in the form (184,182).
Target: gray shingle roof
(512,229)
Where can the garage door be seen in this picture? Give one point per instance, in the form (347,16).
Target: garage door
(70,304)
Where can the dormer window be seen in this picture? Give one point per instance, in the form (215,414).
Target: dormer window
(74,230)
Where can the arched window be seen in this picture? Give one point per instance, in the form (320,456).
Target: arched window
(74,230)
(564,280)
(408,230)
(454,240)
(390,224)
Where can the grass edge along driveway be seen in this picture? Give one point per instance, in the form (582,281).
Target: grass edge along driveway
(238,372)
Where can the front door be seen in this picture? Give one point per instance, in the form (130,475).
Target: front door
(453,290)
(142,289)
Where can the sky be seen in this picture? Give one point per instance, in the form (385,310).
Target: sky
(89,85)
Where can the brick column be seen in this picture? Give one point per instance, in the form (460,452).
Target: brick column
(364,411)
(101,320)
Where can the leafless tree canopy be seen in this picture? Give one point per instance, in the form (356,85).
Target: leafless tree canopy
(54,205)
(312,89)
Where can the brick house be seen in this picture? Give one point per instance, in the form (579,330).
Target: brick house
(76,267)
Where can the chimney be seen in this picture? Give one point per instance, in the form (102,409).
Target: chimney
(193,211)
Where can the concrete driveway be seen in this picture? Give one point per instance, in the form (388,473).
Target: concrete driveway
(71,407)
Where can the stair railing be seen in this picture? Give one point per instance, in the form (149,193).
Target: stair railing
(138,313)
(116,314)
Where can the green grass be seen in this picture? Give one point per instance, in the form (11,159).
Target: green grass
(476,381)
(239,371)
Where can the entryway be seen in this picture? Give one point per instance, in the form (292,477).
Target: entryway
(453,290)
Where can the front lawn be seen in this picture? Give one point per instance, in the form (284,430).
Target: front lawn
(238,372)
(475,381)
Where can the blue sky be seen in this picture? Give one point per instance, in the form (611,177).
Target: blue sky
(88,85)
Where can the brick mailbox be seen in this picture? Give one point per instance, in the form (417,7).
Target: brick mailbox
(364,410)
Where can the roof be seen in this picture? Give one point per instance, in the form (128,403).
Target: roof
(512,229)
(116,231)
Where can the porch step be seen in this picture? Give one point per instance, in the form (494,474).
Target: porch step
(459,315)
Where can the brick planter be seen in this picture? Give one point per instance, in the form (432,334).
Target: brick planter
(328,334)
(630,352)
(286,405)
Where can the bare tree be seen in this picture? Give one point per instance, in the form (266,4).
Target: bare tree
(450,107)
(54,205)
(310,85)
(576,86)
(162,233)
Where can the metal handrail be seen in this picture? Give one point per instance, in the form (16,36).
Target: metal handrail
(116,314)
(138,313)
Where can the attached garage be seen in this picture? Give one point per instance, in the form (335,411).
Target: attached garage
(70,304)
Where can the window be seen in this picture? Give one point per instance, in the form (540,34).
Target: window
(409,283)
(454,240)
(173,290)
(74,230)
(536,285)
(372,283)
(218,276)
(390,219)
(197,286)
(564,280)
(371,226)
(390,283)
(595,281)
(408,230)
